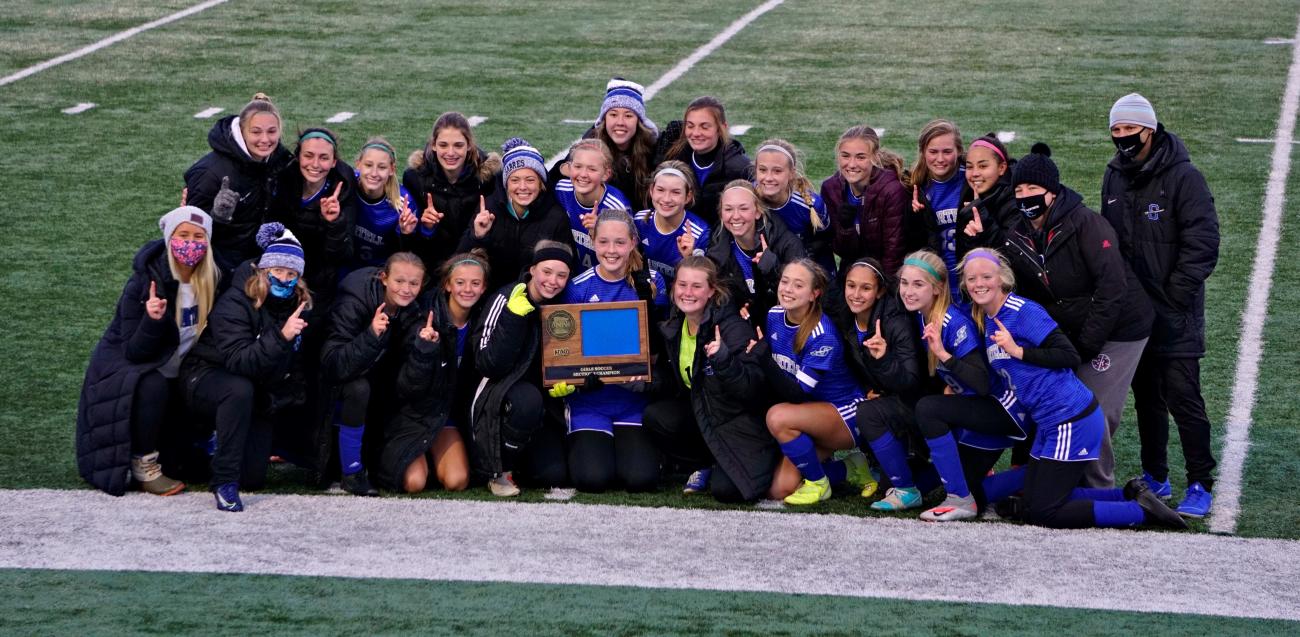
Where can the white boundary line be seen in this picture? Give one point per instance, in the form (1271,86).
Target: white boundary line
(1236,437)
(108,41)
(694,58)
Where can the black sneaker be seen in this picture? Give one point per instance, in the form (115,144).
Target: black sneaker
(1012,508)
(1157,512)
(358,484)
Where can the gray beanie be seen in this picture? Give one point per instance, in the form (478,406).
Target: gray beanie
(184,214)
(1133,109)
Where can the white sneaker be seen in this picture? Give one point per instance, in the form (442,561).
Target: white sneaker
(503,485)
(952,508)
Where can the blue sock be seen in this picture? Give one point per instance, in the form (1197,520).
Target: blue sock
(803,454)
(1117,514)
(943,453)
(1005,484)
(1097,495)
(835,471)
(350,448)
(889,453)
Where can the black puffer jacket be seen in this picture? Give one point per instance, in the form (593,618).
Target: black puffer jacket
(897,373)
(233,241)
(998,213)
(510,242)
(352,350)
(729,162)
(1164,215)
(327,244)
(246,340)
(133,345)
(780,241)
(457,200)
(1074,269)
(726,397)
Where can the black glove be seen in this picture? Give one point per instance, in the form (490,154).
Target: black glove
(592,383)
(223,205)
(641,281)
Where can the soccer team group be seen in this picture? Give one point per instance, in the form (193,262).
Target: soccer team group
(895,330)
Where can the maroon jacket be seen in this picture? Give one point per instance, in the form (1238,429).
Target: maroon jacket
(875,228)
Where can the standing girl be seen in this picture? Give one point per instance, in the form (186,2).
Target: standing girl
(131,378)
(867,200)
(385,221)
(236,182)
(246,373)
(584,193)
(991,210)
(669,232)
(318,203)
(788,194)
(750,250)
(606,440)
(937,181)
(446,179)
(701,140)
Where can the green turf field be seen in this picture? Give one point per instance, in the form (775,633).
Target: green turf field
(81,192)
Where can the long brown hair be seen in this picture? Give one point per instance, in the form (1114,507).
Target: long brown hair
(880,157)
(484,166)
(820,281)
(638,156)
(719,113)
(936,128)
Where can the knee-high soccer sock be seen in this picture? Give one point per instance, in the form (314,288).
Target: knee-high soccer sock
(889,453)
(835,471)
(803,453)
(1100,495)
(943,453)
(1005,484)
(350,448)
(1117,514)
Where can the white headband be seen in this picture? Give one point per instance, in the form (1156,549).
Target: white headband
(778,149)
(672,171)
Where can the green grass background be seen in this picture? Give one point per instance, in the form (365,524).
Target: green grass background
(81,193)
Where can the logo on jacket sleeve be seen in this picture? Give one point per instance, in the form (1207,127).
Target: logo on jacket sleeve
(1153,212)
(1101,363)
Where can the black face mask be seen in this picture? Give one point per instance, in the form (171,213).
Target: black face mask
(1129,145)
(1032,206)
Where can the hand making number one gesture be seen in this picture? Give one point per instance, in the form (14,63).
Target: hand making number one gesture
(294,325)
(934,339)
(329,206)
(379,324)
(431,216)
(976,226)
(685,244)
(875,344)
(483,220)
(155,307)
(406,220)
(1004,340)
(428,333)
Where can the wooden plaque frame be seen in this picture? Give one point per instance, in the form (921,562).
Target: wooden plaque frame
(563,358)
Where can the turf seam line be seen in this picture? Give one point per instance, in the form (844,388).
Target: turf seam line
(689,62)
(1236,437)
(108,41)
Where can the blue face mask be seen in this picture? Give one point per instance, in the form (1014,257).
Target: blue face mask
(281,289)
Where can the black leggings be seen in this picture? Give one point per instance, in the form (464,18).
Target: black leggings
(1048,486)
(528,444)
(597,460)
(149,412)
(355,397)
(671,424)
(937,415)
(243,434)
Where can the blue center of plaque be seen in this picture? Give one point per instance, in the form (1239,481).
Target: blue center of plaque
(610,332)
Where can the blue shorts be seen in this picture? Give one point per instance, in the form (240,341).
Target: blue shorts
(849,414)
(595,412)
(1073,441)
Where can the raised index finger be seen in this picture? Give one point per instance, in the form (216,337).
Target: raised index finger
(337,189)
(877,328)
(429,323)
(153,287)
(1000,325)
(298,312)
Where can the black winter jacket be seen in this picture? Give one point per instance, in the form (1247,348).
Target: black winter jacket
(510,241)
(457,200)
(726,396)
(1074,269)
(998,212)
(327,244)
(1163,212)
(132,346)
(729,162)
(783,243)
(898,372)
(352,350)
(233,242)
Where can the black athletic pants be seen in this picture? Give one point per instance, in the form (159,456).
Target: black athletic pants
(940,414)
(597,460)
(671,424)
(243,435)
(1164,386)
(1048,484)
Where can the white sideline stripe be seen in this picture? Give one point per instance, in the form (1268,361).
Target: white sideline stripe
(208,112)
(694,58)
(732,550)
(1236,437)
(476,120)
(739,129)
(341,116)
(108,41)
(1006,136)
(79,108)
(587,122)
(1279,41)
(1256,140)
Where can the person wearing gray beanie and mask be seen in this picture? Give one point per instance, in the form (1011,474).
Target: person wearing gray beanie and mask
(1163,213)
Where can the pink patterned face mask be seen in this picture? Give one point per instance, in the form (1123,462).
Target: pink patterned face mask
(189,252)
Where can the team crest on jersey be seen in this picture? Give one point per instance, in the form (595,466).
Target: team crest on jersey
(961,336)
(824,350)
(1101,363)
(1153,212)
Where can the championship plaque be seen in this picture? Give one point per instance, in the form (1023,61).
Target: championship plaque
(609,340)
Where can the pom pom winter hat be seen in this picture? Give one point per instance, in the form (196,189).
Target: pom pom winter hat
(620,93)
(1037,168)
(517,153)
(280,248)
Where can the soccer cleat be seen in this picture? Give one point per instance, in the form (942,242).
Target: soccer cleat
(358,484)
(228,497)
(1196,503)
(898,499)
(810,492)
(1157,512)
(952,508)
(146,470)
(699,481)
(503,485)
(1161,489)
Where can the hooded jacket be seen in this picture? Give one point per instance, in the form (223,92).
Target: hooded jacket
(729,162)
(456,199)
(327,245)
(132,346)
(780,241)
(898,372)
(233,242)
(1163,212)
(874,228)
(510,242)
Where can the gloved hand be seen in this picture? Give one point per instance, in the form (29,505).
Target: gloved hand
(223,205)
(592,383)
(560,390)
(641,281)
(518,303)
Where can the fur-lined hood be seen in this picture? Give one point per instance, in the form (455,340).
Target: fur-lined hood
(487,169)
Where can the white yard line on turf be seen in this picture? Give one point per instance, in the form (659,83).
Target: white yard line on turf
(694,58)
(108,41)
(208,112)
(732,550)
(1236,437)
(79,108)
(340,117)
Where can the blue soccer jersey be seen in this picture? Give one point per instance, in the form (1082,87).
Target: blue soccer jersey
(959,337)
(661,249)
(945,200)
(819,367)
(797,214)
(376,231)
(1051,396)
(612,200)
